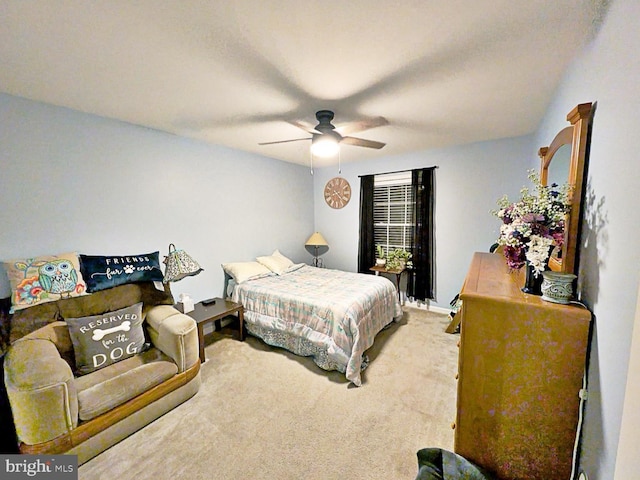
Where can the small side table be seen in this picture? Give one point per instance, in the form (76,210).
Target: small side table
(397,271)
(214,312)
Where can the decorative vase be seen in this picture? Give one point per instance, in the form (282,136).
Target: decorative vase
(532,283)
(557,287)
(380,262)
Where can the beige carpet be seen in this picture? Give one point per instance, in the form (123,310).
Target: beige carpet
(263,413)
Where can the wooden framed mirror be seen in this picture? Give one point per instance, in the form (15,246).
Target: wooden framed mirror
(563,161)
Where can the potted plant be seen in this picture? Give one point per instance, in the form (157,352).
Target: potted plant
(398,259)
(380,260)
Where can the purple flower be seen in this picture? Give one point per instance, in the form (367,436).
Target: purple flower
(540,229)
(532,222)
(558,238)
(516,257)
(533,217)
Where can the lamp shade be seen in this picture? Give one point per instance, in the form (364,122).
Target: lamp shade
(179,265)
(317,240)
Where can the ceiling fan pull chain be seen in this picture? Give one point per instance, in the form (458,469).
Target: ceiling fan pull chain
(311,161)
(339,161)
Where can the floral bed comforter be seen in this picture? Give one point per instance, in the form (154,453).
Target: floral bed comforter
(330,315)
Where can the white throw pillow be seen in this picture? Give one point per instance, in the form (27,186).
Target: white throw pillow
(243,271)
(276,262)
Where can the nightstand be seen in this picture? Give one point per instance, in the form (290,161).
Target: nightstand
(215,312)
(378,269)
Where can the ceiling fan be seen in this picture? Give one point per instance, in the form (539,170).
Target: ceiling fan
(325,138)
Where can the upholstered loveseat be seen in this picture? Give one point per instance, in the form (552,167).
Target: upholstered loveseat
(56,410)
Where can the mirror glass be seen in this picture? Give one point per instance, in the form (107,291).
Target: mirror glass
(558,169)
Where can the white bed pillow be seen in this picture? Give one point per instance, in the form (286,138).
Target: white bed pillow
(276,262)
(243,271)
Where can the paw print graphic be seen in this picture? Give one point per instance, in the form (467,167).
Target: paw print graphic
(128,269)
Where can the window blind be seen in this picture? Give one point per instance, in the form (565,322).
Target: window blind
(393,206)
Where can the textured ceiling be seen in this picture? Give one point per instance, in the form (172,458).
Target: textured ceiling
(241,72)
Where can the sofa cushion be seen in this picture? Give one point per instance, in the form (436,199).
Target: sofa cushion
(102,272)
(105,389)
(100,340)
(116,298)
(31,319)
(44,279)
(58,334)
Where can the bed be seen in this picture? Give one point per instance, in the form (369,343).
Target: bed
(330,315)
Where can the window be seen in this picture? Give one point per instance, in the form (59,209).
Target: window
(393,207)
(390,217)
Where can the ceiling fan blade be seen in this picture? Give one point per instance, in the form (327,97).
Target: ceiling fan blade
(284,141)
(301,124)
(361,142)
(363,125)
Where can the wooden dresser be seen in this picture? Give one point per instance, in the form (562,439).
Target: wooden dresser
(521,366)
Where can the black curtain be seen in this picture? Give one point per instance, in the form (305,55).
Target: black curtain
(421,277)
(367,246)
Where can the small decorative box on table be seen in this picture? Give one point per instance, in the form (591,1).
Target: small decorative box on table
(214,310)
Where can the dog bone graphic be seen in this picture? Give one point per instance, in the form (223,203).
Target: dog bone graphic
(99,333)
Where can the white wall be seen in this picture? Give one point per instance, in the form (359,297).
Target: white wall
(627,460)
(606,72)
(76,182)
(469,180)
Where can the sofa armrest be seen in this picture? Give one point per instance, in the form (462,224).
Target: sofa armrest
(175,334)
(41,391)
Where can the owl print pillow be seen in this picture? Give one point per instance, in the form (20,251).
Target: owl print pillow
(44,279)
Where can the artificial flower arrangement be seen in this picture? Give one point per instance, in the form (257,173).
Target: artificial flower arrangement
(532,226)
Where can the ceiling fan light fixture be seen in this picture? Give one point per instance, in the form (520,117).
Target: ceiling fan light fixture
(325,146)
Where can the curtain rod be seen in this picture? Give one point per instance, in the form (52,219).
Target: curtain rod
(397,171)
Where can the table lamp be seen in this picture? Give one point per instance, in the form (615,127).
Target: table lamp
(179,265)
(316,240)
